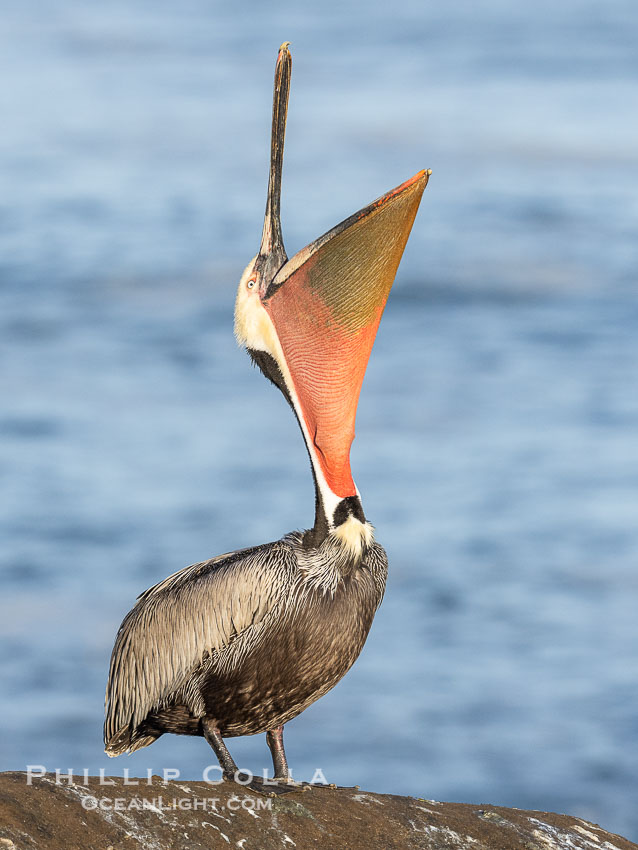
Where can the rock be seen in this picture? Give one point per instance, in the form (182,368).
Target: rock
(158,815)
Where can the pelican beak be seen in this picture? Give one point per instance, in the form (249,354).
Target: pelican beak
(310,322)
(325,305)
(272,254)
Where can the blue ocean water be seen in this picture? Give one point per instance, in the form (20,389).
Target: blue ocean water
(497,436)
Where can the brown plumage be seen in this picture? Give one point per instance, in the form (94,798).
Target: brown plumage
(246,641)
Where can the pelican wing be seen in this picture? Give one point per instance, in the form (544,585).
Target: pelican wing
(193,615)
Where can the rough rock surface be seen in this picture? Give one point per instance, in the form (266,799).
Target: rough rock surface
(193,815)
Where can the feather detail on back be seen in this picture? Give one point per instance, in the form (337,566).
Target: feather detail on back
(190,617)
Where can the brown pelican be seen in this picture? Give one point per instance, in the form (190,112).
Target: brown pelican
(244,642)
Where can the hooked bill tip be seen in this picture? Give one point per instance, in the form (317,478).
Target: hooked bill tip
(285,45)
(424,173)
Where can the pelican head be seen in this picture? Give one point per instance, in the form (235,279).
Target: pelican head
(310,322)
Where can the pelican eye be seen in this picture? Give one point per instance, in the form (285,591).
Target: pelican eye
(251,283)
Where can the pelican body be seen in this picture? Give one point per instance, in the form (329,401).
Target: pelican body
(244,642)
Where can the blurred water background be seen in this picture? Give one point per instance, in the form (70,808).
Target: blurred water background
(497,448)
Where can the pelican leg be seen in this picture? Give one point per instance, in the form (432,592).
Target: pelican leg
(214,738)
(275,741)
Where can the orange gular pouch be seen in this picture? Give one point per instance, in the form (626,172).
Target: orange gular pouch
(326,304)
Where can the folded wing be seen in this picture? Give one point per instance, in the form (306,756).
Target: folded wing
(194,615)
